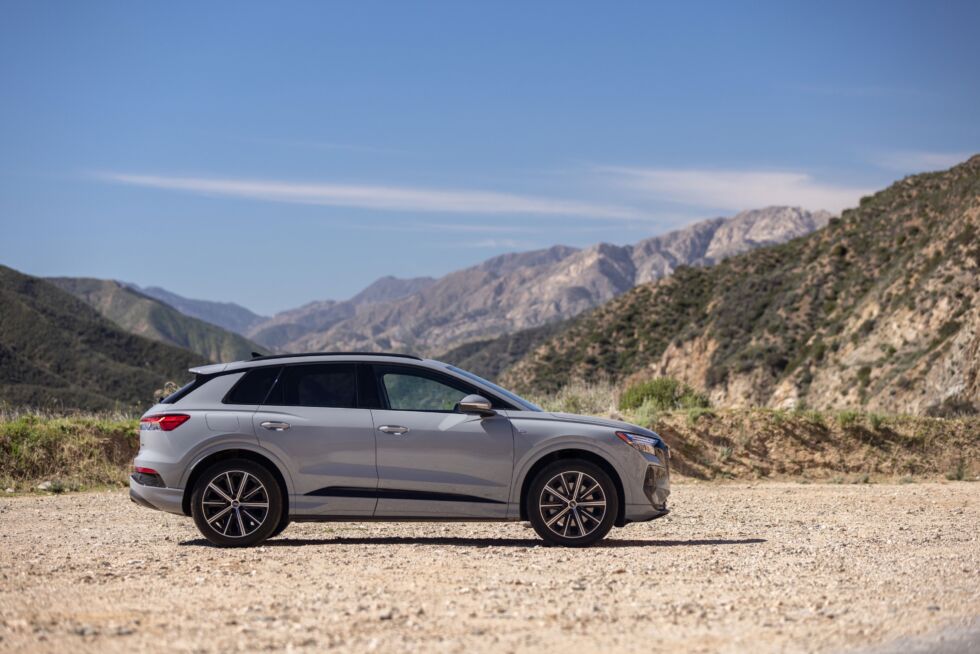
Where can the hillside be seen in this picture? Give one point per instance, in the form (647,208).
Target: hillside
(227,315)
(145,316)
(58,352)
(879,310)
(528,289)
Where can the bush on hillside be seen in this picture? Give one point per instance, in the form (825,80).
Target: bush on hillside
(662,394)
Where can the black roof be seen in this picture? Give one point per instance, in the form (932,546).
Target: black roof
(262,357)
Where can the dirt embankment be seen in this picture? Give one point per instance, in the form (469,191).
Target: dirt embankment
(842,446)
(736,567)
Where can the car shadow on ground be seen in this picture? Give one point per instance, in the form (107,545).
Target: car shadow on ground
(481,542)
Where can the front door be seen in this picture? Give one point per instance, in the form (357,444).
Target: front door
(432,460)
(312,423)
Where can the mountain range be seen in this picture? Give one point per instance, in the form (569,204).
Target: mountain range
(880,311)
(518,290)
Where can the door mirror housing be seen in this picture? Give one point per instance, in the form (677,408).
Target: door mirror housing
(476,404)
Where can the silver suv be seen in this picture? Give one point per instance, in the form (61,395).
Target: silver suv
(248,447)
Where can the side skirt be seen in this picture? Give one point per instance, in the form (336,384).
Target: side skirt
(400,518)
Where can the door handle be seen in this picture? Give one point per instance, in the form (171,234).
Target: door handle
(393,429)
(275,426)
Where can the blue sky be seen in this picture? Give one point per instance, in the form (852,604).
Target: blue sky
(272,154)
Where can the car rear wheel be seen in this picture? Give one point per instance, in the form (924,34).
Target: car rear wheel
(236,503)
(572,502)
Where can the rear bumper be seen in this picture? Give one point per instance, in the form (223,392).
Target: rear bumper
(161,499)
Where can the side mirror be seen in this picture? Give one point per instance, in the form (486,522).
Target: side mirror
(476,404)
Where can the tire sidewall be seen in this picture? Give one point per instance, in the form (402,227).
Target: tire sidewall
(568,465)
(272,520)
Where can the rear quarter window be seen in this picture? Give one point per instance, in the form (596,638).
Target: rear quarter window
(253,387)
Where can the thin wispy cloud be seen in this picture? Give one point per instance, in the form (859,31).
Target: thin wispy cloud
(391,198)
(917,161)
(735,190)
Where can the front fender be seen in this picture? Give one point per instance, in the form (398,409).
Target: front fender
(525,460)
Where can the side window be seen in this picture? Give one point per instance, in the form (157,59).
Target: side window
(324,385)
(253,387)
(411,392)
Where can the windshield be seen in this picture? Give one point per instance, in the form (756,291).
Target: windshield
(516,399)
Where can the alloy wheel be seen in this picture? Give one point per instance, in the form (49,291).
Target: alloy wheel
(235,504)
(572,504)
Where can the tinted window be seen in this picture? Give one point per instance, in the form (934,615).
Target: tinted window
(325,385)
(411,392)
(253,387)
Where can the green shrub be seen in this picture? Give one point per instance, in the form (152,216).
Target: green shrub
(662,394)
(847,418)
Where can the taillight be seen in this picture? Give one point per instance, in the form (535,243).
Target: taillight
(163,422)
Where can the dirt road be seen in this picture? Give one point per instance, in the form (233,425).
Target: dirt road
(768,567)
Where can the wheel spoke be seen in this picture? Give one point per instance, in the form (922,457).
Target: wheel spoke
(252,492)
(251,517)
(224,532)
(218,515)
(578,486)
(578,521)
(241,525)
(557,494)
(241,486)
(254,505)
(557,516)
(220,492)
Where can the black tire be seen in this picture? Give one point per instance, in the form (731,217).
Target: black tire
(245,522)
(281,527)
(575,521)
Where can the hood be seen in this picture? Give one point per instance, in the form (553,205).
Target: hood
(600,422)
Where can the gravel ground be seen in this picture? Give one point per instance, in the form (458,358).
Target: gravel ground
(736,567)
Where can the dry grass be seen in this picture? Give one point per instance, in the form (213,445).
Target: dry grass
(71,451)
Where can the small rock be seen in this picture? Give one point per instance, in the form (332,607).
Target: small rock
(44,485)
(10,490)
(386,614)
(932,607)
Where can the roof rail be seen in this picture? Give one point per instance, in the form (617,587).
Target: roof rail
(262,357)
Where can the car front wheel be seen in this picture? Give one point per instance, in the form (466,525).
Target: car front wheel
(236,503)
(572,502)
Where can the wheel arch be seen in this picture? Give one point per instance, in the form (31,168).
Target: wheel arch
(233,453)
(574,453)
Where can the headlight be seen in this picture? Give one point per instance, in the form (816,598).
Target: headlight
(647,444)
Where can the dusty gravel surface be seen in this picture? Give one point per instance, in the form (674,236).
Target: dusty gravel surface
(736,567)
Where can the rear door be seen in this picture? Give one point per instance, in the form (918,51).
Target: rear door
(432,460)
(311,420)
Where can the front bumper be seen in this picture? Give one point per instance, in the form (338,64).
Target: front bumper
(161,499)
(655,479)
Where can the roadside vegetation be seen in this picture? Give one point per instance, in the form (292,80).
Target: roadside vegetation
(81,451)
(66,452)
